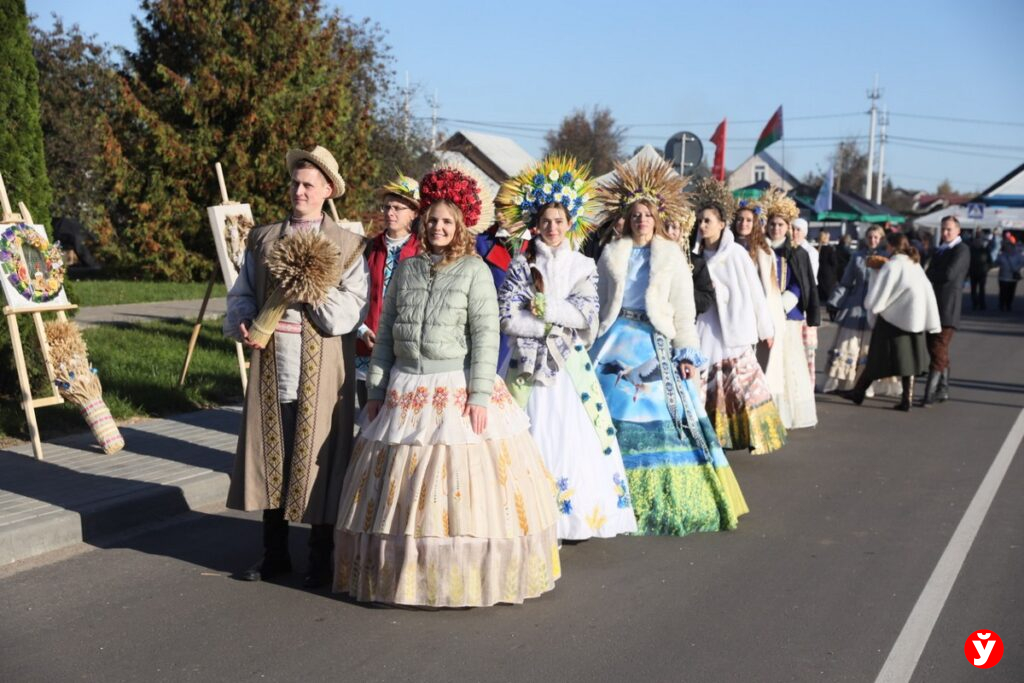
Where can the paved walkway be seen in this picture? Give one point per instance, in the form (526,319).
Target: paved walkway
(78,494)
(127,314)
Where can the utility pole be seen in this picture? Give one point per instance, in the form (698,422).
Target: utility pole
(406,111)
(874,95)
(434,106)
(884,123)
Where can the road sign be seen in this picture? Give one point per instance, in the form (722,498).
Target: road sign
(685,151)
(976,211)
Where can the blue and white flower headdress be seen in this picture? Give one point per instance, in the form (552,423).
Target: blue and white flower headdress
(555,180)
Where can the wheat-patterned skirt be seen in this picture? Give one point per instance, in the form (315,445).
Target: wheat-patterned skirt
(434,514)
(741,407)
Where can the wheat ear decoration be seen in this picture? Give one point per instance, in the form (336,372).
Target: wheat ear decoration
(303,268)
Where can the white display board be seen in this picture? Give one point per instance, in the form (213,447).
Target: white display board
(32,268)
(230,224)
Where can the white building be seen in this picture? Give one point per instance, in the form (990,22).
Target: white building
(761,166)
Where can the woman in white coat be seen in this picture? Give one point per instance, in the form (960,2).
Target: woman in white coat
(739,400)
(549,312)
(901,306)
(647,357)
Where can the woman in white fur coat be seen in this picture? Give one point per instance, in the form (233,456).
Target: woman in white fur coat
(646,358)
(549,311)
(901,306)
(739,399)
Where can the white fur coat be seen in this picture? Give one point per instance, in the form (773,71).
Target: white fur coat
(903,296)
(743,310)
(669,296)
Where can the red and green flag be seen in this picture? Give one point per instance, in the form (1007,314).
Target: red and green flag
(772,132)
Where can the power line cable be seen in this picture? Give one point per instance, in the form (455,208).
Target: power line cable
(913,145)
(955,119)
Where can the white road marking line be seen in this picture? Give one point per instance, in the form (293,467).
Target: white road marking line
(906,651)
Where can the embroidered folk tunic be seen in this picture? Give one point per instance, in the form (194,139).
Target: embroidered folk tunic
(311,366)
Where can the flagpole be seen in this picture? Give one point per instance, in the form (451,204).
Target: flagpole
(782,124)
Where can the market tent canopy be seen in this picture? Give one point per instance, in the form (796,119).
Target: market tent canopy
(976,218)
(850,206)
(752,191)
(645,152)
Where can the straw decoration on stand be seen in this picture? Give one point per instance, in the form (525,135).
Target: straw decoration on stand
(78,382)
(304,268)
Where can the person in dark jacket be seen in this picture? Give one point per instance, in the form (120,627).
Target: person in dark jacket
(608,231)
(828,266)
(981,262)
(703,288)
(947,272)
(497,247)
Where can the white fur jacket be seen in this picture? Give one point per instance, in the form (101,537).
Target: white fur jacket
(903,296)
(742,306)
(669,296)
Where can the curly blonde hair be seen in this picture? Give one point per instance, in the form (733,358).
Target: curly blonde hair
(462,244)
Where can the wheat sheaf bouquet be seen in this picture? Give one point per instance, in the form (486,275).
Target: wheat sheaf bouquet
(79,383)
(304,267)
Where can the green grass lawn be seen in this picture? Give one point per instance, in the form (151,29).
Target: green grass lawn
(104,292)
(139,367)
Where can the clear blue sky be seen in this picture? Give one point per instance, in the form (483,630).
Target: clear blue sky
(662,67)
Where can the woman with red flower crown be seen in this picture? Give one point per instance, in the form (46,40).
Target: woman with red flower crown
(446,502)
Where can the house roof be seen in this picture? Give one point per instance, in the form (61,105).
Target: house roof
(498,157)
(1007,191)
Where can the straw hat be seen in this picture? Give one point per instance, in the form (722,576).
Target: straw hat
(404,188)
(323,160)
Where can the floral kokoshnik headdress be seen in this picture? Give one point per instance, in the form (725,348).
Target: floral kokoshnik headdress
(555,180)
(464,188)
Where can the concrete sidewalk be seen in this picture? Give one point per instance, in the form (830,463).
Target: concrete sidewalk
(127,314)
(79,495)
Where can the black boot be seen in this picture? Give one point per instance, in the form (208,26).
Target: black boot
(908,395)
(321,550)
(942,393)
(931,388)
(276,561)
(858,392)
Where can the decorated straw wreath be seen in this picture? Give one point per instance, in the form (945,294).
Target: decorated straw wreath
(777,203)
(653,180)
(37,287)
(555,180)
(303,268)
(754,206)
(710,193)
(79,383)
(462,186)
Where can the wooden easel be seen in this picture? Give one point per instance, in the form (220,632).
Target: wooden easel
(243,364)
(29,403)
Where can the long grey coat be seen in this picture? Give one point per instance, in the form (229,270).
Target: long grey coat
(310,489)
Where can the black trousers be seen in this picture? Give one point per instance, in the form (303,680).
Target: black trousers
(978,292)
(1007,290)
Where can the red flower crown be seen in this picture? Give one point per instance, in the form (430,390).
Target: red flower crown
(455,186)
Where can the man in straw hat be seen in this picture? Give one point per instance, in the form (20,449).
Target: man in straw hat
(399,206)
(297,422)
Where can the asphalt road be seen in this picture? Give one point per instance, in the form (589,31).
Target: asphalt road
(846,526)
